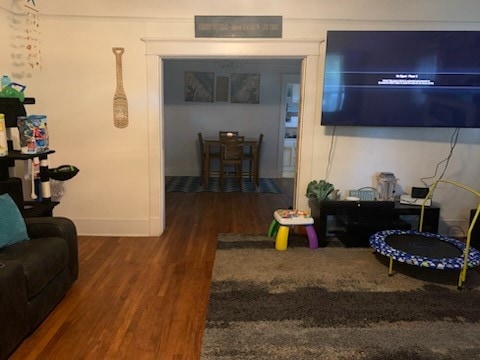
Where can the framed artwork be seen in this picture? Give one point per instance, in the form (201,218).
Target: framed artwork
(221,89)
(245,88)
(199,86)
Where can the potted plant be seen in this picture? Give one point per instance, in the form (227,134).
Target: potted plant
(318,191)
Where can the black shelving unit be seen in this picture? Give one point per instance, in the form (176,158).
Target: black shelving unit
(13,108)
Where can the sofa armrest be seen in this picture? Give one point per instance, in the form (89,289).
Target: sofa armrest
(57,227)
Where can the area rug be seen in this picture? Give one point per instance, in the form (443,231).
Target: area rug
(334,303)
(192,184)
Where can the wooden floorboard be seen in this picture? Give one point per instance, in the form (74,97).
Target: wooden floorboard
(146,297)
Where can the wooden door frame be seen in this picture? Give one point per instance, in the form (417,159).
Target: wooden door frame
(159,49)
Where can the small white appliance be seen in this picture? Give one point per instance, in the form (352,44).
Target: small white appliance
(386,182)
(408,200)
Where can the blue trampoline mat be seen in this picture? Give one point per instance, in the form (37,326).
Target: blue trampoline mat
(423,249)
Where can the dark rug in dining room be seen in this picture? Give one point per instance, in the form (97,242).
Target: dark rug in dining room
(192,184)
(334,303)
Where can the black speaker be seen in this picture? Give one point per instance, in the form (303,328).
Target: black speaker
(475,240)
(419,193)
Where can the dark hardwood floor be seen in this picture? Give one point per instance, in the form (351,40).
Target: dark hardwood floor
(146,297)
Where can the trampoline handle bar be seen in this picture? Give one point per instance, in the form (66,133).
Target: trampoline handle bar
(463,273)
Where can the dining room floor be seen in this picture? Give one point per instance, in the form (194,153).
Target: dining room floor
(194,184)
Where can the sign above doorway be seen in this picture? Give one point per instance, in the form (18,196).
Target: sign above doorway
(238,26)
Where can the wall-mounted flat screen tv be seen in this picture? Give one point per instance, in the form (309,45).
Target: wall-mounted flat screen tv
(402,78)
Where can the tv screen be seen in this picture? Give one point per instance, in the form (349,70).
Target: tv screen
(402,78)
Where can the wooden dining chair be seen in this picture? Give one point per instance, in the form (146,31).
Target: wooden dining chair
(253,158)
(231,157)
(207,154)
(203,159)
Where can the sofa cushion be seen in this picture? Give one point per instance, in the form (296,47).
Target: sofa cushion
(12,224)
(41,258)
(41,305)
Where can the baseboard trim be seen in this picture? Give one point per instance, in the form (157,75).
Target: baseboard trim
(113,227)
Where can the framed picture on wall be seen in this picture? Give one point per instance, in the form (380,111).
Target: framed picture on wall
(199,86)
(221,88)
(245,88)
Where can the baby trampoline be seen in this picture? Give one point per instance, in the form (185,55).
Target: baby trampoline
(426,249)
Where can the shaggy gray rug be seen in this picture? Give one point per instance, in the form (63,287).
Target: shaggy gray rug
(334,303)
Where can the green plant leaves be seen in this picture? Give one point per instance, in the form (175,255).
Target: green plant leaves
(319,190)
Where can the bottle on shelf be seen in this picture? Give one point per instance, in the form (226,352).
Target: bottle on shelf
(5,81)
(3,136)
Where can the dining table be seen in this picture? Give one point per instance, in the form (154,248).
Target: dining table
(213,149)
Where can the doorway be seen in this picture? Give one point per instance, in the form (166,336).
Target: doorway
(274,115)
(157,50)
(289,112)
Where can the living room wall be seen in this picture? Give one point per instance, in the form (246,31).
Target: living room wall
(112,192)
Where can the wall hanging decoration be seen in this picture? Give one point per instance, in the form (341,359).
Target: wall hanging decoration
(120,104)
(32,30)
(221,88)
(238,26)
(199,86)
(245,88)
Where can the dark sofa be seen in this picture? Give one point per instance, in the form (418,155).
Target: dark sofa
(34,277)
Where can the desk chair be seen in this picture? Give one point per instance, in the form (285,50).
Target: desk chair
(253,158)
(231,155)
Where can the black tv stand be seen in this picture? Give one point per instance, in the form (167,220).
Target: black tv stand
(366,216)
(12,108)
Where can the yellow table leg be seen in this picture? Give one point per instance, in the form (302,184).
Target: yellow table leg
(281,240)
(390,267)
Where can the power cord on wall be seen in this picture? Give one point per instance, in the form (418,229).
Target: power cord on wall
(453,143)
(330,155)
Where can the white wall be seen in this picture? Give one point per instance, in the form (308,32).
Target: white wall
(75,90)
(411,154)
(184,119)
(323,10)
(112,192)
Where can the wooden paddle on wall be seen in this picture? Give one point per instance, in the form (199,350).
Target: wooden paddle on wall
(120,104)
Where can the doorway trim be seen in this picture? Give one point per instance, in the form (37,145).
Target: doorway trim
(159,49)
(286,79)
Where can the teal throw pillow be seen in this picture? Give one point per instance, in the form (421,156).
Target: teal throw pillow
(12,224)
